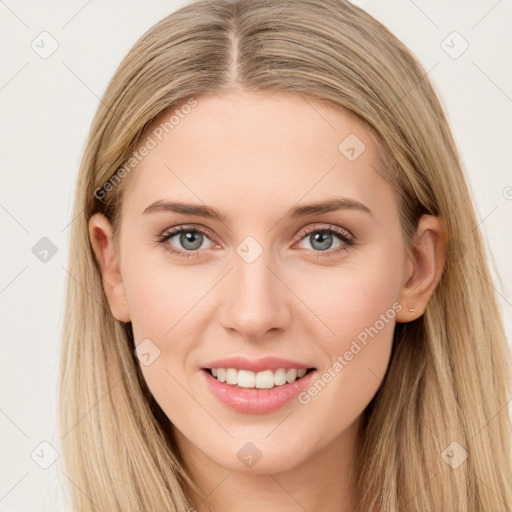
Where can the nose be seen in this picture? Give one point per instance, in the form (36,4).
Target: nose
(255,299)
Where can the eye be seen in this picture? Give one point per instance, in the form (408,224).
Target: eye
(189,240)
(321,240)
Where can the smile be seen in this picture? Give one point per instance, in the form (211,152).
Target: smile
(250,398)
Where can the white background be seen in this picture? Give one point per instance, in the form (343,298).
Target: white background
(46,106)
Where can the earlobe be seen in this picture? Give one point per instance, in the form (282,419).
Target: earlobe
(100,233)
(425,267)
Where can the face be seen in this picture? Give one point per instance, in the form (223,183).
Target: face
(269,278)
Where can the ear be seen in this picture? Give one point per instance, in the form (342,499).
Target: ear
(424,267)
(100,233)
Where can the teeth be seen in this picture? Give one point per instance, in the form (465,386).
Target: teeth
(266,379)
(231,376)
(246,379)
(280,377)
(291,375)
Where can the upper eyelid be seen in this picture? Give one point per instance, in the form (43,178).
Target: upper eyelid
(179,229)
(327,227)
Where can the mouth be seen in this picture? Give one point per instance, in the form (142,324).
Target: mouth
(266,379)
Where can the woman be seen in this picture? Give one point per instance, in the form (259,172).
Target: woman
(279,296)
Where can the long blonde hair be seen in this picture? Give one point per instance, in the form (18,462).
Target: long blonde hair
(445,393)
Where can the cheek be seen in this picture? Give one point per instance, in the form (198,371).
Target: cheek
(166,308)
(358,295)
(161,297)
(357,305)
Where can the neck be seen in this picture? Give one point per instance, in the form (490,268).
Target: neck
(324,481)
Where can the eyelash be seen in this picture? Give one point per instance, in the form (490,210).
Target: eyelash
(344,235)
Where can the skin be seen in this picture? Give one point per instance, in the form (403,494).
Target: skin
(254,156)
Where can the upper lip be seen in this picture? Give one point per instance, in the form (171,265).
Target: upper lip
(256,365)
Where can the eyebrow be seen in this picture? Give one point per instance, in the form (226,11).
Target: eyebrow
(331,205)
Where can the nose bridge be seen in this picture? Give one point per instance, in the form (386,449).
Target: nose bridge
(255,301)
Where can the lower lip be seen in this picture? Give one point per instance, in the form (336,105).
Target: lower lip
(257,401)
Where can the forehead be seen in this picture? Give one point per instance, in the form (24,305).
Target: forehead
(254,150)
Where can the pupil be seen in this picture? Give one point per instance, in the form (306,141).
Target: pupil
(321,237)
(192,237)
